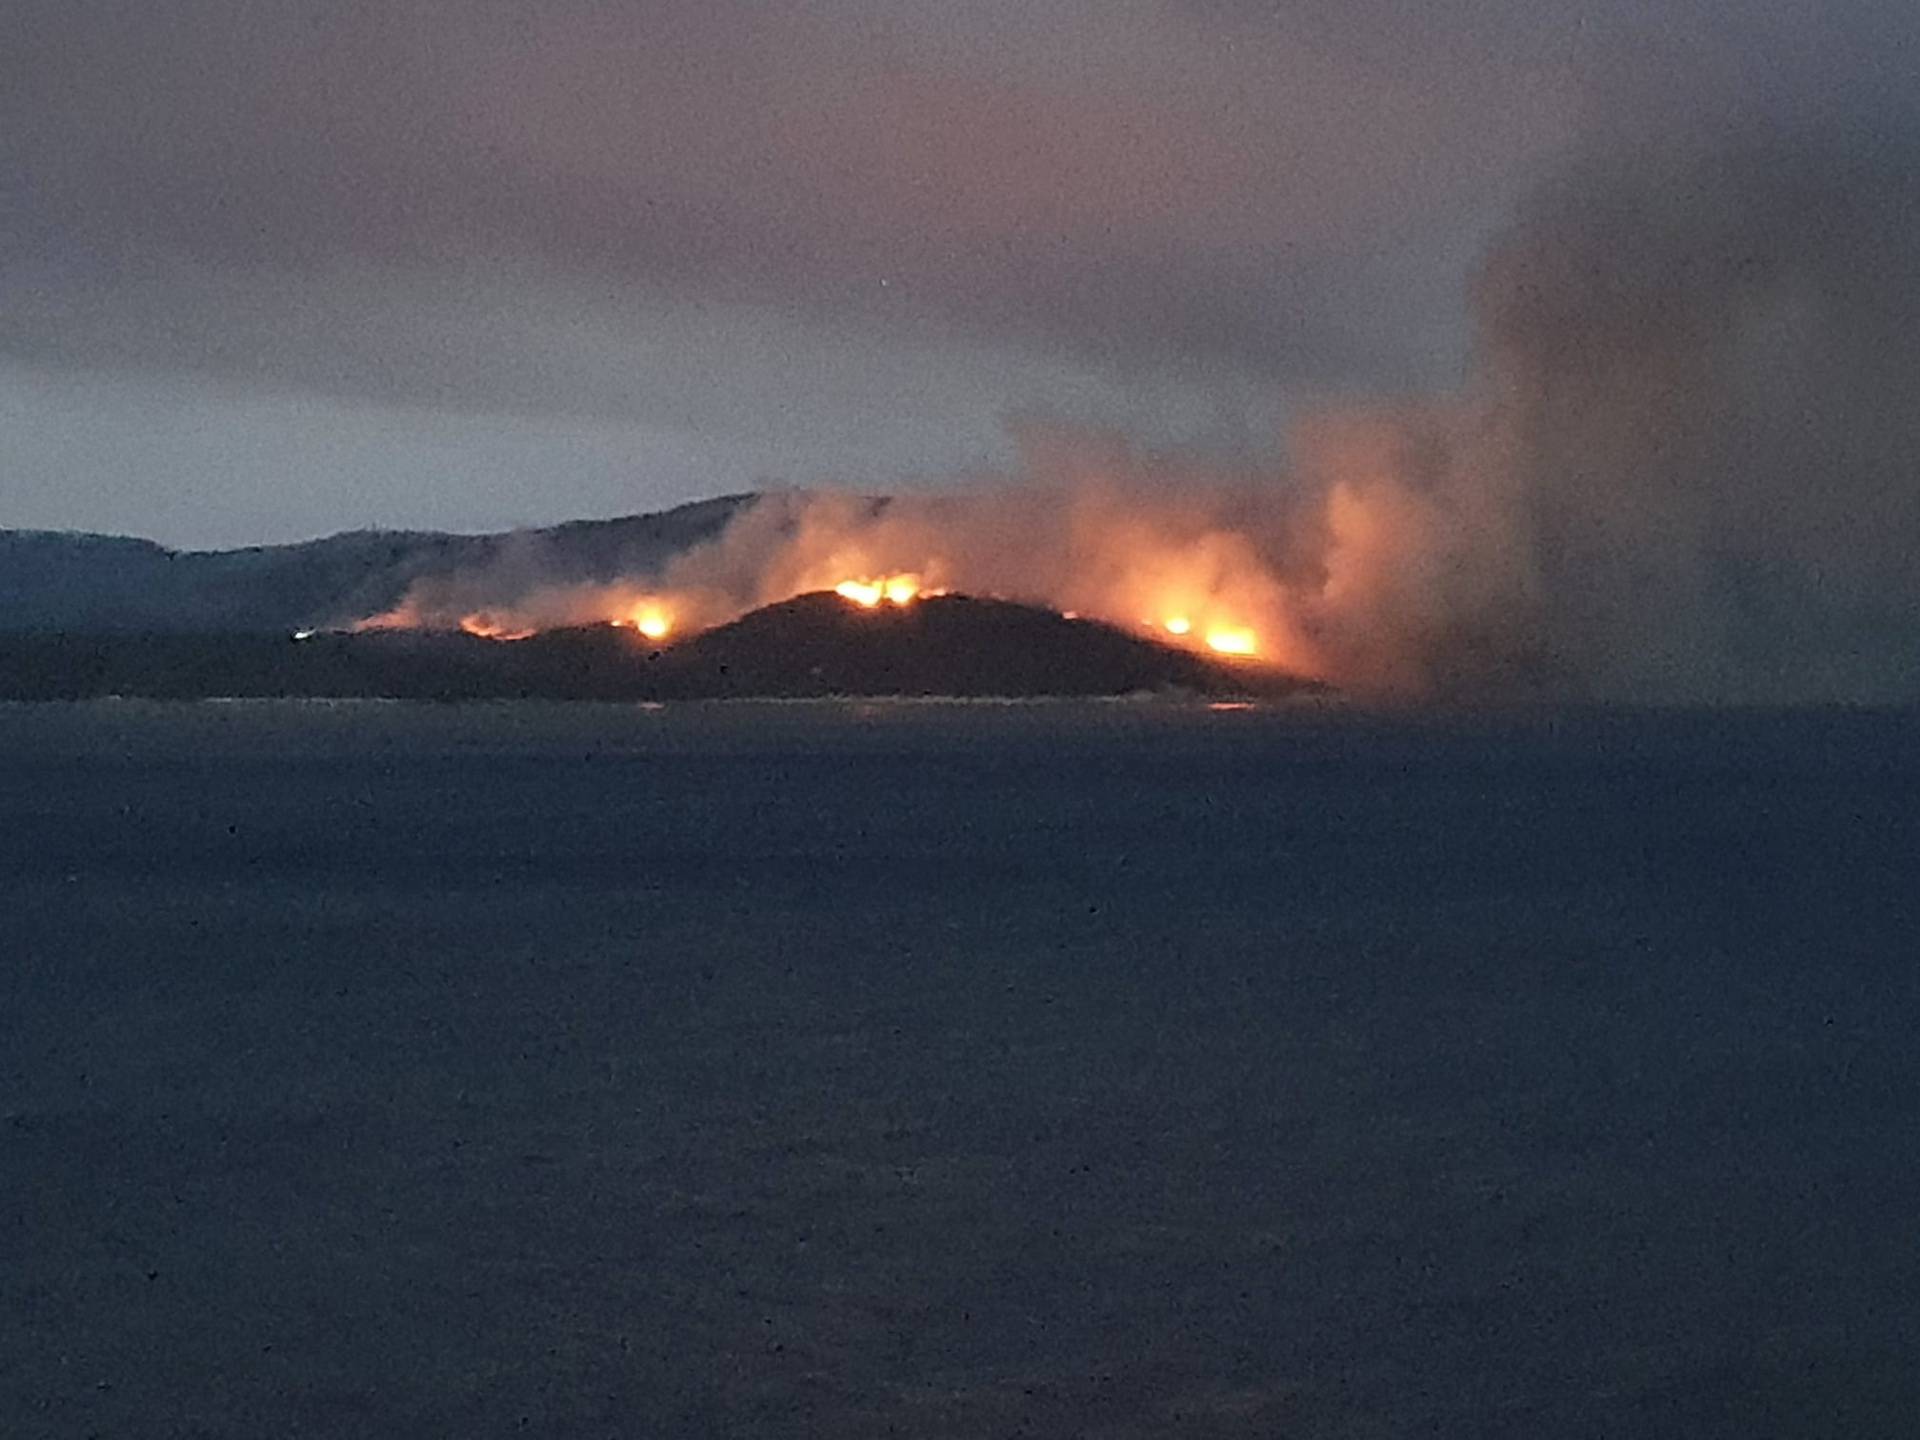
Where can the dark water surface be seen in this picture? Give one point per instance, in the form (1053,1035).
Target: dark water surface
(1118,1070)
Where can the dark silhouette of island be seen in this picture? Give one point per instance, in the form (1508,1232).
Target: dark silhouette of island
(816,645)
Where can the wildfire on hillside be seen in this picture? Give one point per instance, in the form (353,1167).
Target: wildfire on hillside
(1222,571)
(664,611)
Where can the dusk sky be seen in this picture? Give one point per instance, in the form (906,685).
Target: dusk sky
(275,268)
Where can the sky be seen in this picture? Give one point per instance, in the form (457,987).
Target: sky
(271,269)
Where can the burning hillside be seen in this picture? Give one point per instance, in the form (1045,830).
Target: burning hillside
(1192,578)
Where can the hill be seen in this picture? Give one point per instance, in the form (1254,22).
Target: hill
(107,585)
(814,645)
(940,645)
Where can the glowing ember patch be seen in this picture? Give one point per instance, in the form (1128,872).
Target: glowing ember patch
(1233,642)
(491,627)
(902,588)
(1179,625)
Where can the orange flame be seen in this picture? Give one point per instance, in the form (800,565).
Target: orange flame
(893,589)
(650,618)
(1233,641)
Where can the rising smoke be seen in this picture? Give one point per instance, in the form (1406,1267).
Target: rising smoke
(1684,468)
(1687,467)
(1699,376)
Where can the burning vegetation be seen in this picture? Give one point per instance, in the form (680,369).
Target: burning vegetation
(888,590)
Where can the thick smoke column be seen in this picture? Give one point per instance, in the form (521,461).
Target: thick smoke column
(1688,465)
(1700,376)
(1685,467)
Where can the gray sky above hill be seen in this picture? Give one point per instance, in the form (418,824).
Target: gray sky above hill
(271,268)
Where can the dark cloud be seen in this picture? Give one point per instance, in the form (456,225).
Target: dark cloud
(1164,190)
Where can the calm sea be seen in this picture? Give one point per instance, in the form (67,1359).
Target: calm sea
(957,1070)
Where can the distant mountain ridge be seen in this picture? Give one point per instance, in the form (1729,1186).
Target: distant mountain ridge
(65,581)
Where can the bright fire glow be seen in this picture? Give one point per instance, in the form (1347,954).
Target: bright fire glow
(651,621)
(861,592)
(1179,625)
(1233,642)
(894,589)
